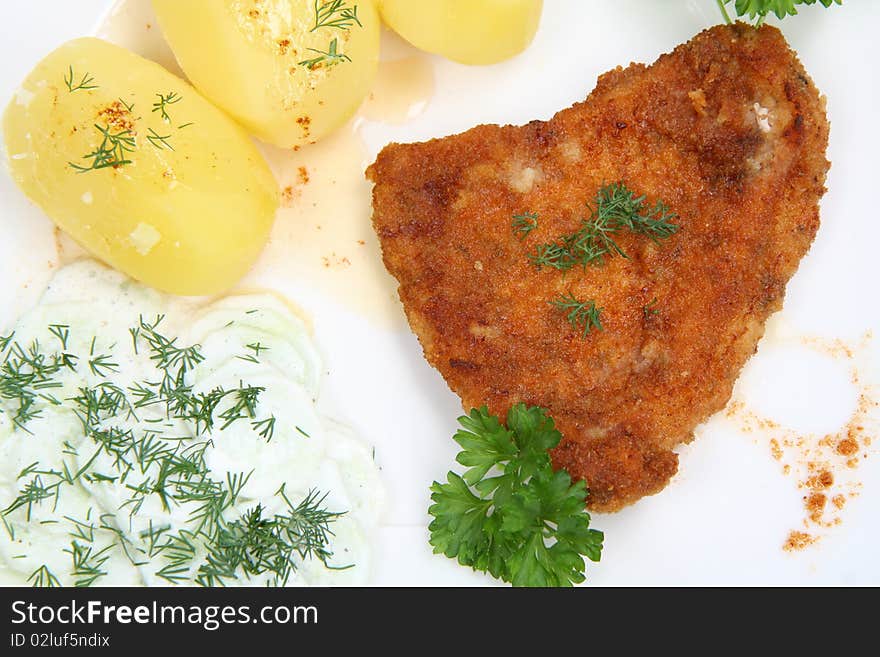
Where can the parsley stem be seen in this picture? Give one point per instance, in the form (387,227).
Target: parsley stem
(724,12)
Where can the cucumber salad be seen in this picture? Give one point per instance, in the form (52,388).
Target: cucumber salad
(147,439)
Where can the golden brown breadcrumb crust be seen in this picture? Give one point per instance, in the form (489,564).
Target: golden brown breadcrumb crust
(731,133)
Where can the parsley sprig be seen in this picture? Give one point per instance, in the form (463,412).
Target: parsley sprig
(510,514)
(758,10)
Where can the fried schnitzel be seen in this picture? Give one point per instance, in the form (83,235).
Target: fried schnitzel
(729,132)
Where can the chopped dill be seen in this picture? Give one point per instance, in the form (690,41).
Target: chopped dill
(266,428)
(159,141)
(101,364)
(62,332)
(164,101)
(582,315)
(111,152)
(523,224)
(335,13)
(616,208)
(87,566)
(43,577)
(84,84)
(219,541)
(327,58)
(256,348)
(650,308)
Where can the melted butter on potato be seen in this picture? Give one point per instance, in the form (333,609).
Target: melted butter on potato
(140,169)
(290,71)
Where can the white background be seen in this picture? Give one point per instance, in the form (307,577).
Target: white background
(725,516)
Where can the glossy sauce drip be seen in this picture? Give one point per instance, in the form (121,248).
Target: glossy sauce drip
(132,24)
(323,233)
(322,236)
(401,91)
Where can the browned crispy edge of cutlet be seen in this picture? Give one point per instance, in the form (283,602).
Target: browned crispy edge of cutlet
(620,467)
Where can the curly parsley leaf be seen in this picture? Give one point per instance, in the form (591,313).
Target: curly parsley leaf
(511,514)
(758,10)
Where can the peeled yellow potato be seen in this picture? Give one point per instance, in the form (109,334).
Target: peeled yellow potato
(140,169)
(290,71)
(465,31)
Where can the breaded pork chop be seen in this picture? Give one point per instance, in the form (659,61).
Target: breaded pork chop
(730,132)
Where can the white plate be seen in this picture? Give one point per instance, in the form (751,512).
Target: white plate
(726,515)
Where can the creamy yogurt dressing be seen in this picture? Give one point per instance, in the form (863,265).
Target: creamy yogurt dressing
(305,452)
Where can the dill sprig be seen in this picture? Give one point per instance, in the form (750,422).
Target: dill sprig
(82,530)
(650,308)
(217,542)
(328,58)
(159,141)
(244,404)
(616,208)
(151,537)
(335,13)
(33,492)
(256,348)
(84,84)
(60,331)
(25,374)
(179,552)
(164,101)
(111,152)
(265,428)
(582,315)
(523,224)
(254,544)
(43,577)
(87,566)
(101,364)
(164,351)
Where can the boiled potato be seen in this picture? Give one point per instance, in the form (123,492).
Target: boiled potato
(140,169)
(465,31)
(290,71)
